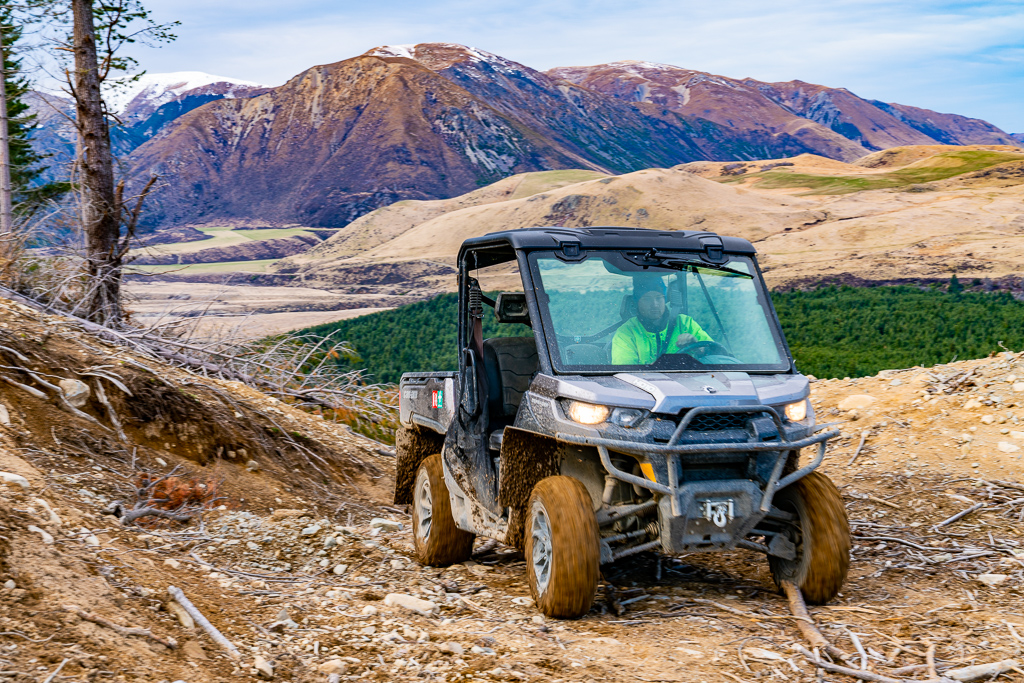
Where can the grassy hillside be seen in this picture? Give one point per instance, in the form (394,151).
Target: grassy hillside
(833,332)
(938,167)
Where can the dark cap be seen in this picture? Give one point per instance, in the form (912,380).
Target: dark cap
(643,285)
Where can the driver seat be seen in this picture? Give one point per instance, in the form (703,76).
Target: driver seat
(510,363)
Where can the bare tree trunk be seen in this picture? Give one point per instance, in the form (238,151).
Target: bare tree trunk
(100,213)
(6,214)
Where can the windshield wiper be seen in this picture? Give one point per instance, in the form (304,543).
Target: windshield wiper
(673,261)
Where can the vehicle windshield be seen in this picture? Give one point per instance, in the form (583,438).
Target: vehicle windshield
(666,311)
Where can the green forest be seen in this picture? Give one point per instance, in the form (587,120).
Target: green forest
(832,331)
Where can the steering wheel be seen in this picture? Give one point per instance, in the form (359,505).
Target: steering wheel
(703,348)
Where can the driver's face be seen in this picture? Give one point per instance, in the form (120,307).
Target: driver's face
(651,306)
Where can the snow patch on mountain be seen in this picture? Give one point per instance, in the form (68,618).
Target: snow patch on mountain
(160,89)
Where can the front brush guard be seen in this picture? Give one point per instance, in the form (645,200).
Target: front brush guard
(672,451)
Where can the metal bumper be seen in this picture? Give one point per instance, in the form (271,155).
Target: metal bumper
(679,503)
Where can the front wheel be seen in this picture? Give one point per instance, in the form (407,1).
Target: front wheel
(821,534)
(562,551)
(438,542)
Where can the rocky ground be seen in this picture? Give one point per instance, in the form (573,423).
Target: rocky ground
(307,571)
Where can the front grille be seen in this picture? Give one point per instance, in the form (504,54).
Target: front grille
(717,422)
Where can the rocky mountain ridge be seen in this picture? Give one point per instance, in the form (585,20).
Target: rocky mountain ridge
(436,120)
(829,118)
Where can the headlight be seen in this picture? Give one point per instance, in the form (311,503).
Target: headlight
(797,411)
(587,413)
(626,417)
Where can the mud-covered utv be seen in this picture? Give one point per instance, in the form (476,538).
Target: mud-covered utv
(640,397)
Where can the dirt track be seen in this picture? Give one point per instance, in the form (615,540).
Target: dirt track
(266,572)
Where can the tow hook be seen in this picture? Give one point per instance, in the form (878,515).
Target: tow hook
(718,512)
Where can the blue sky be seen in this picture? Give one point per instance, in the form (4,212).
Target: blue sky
(959,57)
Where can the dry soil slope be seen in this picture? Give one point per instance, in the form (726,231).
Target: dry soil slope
(294,572)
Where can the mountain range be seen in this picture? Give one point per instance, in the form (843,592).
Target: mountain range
(436,120)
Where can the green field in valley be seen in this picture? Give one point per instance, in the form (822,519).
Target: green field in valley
(833,332)
(259,266)
(938,167)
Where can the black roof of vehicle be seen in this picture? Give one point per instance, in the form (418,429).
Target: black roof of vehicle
(603,237)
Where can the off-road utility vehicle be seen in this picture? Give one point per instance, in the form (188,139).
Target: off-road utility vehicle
(647,401)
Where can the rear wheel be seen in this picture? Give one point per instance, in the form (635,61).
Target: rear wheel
(438,542)
(821,534)
(562,551)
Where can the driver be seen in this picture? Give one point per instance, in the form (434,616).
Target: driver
(643,339)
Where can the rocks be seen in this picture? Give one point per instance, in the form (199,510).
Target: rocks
(310,530)
(857,402)
(51,516)
(452,648)
(1007,447)
(284,620)
(47,538)
(10,585)
(988,419)
(425,608)
(263,668)
(992,580)
(334,666)
(370,611)
(179,613)
(193,650)
(385,524)
(251,546)
(340,569)
(10,478)
(1018,386)
(75,391)
(1017,435)
(5,415)
(284,513)
(252,466)
(173,564)
(972,404)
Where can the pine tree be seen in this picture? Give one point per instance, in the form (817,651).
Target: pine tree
(954,285)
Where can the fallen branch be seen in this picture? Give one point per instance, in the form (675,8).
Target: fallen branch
(929,660)
(806,625)
(863,438)
(973,673)
(170,643)
(24,387)
(860,649)
(57,670)
(959,515)
(836,669)
(132,515)
(111,413)
(200,619)
(896,540)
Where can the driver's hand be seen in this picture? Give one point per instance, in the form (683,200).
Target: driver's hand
(684,340)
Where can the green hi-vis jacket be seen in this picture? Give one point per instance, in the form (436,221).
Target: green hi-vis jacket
(634,345)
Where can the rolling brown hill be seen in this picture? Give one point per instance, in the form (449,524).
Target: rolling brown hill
(438,120)
(905,214)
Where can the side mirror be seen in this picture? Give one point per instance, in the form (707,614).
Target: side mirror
(470,399)
(511,308)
